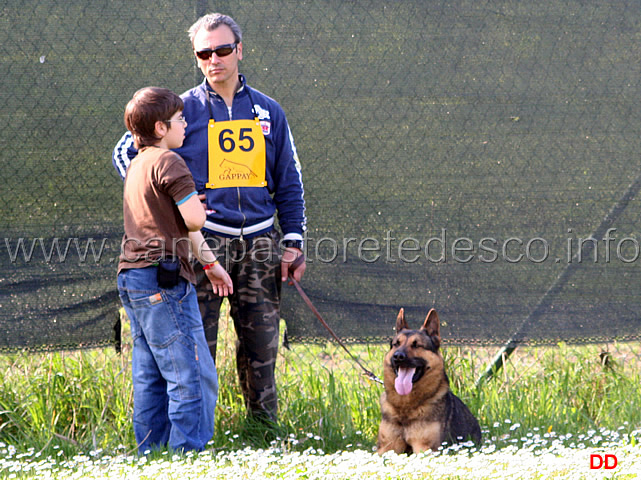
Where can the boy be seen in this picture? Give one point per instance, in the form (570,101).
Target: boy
(174,376)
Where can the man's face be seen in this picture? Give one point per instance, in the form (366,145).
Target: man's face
(221,71)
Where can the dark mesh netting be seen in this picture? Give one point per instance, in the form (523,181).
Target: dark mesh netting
(478,157)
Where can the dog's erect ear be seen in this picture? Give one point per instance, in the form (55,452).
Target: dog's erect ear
(432,324)
(401,323)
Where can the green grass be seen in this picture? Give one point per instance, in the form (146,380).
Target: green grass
(69,414)
(77,401)
(81,401)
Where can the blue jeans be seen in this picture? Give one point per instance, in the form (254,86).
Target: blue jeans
(174,376)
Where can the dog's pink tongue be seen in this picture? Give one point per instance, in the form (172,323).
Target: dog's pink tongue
(403,382)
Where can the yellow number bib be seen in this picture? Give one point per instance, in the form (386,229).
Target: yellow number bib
(236,154)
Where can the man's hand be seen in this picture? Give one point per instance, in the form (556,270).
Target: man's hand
(292,263)
(220,280)
(203,199)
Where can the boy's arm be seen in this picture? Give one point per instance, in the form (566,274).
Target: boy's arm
(219,278)
(123,153)
(192,212)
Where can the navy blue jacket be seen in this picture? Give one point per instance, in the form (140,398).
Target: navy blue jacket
(247,211)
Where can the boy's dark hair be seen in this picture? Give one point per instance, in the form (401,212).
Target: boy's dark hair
(148,106)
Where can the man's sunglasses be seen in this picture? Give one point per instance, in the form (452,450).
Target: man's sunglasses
(221,51)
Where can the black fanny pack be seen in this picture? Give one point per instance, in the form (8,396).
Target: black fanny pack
(168,272)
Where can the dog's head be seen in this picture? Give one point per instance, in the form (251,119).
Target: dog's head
(414,354)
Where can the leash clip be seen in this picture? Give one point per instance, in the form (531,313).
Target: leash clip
(373,378)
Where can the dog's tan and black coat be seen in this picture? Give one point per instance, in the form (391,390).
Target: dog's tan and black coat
(419,412)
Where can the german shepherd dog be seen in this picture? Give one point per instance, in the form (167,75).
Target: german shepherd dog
(418,410)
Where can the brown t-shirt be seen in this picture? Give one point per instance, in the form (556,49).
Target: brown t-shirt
(157,179)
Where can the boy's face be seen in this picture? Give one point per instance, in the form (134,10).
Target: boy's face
(176,130)
(219,71)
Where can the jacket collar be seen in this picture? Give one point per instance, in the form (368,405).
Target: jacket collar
(241,79)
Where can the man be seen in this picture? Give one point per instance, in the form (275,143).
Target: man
(241,153)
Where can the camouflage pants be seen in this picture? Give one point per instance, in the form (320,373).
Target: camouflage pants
(254,266)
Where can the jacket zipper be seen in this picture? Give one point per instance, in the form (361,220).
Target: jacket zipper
(240,208)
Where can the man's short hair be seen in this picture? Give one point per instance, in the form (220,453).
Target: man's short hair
(212,21)
(148,106)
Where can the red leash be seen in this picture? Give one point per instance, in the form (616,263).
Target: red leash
(311,306)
